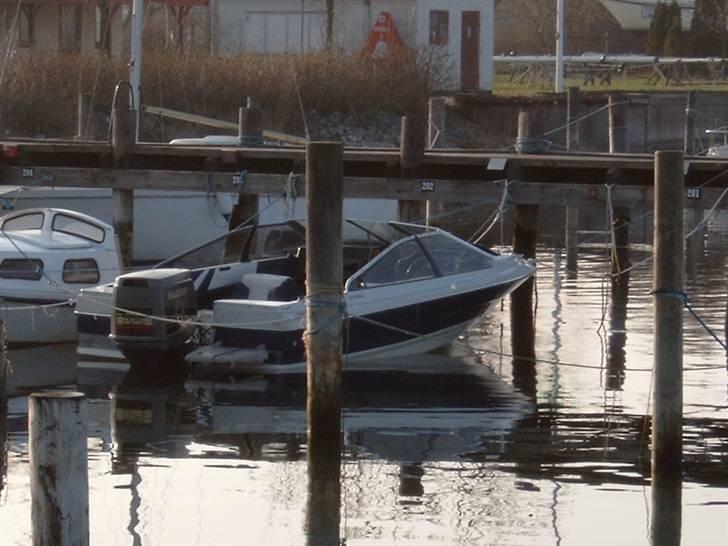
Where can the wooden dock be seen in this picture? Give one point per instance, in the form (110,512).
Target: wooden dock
(441,175)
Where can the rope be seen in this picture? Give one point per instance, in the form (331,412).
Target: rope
(493,217)
(583,366)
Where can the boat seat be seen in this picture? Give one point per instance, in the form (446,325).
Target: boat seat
(267,287)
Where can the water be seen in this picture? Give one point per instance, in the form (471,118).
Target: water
(477,448)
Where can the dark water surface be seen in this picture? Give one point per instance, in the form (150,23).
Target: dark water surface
(477,447)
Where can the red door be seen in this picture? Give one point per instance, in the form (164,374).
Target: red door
(470,50)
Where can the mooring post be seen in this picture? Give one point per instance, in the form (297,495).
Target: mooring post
(689,135)
(572,240)
(525,235)
(572,114)
(85,117)
(122,141)
(324,316)
(250,123)
(620,252)
(411,154)
(668,304)
(58,468)
(617,124)
(123,214)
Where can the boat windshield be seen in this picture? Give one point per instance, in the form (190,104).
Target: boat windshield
(362,239)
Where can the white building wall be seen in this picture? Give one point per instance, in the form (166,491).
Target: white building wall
(267,26)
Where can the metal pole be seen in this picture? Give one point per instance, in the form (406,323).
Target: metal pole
(324,277)
(560,39)
(135,64)
(58,468)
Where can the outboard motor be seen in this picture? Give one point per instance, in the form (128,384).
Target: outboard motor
(166,293)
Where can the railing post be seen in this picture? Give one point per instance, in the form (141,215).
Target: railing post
(85,117)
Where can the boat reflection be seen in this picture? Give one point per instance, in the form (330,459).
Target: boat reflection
(443,412)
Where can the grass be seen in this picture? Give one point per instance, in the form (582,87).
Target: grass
(637,82)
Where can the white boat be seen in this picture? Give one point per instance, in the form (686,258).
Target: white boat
(46,257)
(409,289)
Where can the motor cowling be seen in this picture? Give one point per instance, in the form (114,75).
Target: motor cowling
(150,311)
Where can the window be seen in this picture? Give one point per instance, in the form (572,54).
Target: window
(84,271)
(32,220)
(439,21)
(70,27)
(453,257)
(78,227)
(21,269)
(401,262)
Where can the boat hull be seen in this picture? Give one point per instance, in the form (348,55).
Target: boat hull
(34,323)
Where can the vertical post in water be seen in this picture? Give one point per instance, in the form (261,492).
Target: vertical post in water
(324,272)
(668,345)
(689,135)
(411,154)
(122,142)
(572,113)
(572,240)
(58,468)
(85,117)
(250,123)
(620,252)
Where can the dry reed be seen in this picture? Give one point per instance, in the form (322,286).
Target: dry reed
(39,90)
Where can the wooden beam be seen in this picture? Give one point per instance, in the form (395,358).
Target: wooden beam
(445,190)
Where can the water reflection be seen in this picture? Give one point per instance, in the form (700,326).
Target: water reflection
(617,339)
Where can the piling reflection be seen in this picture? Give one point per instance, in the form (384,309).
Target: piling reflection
(523,339)
(616,355)
(666,514)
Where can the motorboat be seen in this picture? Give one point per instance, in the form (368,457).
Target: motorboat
(46,256)
(237,304)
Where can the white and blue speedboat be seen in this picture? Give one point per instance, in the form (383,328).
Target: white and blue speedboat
(237,304)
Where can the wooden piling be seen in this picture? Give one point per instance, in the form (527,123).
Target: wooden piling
(411,154)
(58,468)
(324,277)
(572,240)
(122,141)
(85,117)
(572,114)
(525,235)
(250,123)
(689,134)
(123,215)
(668,309)
(620,252)
(617,124)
